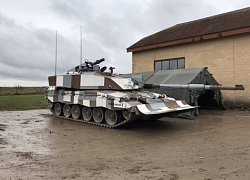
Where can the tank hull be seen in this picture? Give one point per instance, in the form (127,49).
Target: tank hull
(114,108)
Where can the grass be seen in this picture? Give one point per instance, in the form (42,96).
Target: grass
(22,102)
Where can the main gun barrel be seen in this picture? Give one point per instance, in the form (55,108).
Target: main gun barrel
(193,86)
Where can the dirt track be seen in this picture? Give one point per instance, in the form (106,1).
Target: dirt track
(215,145)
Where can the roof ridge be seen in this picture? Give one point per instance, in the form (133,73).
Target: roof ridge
(213,16)
(223,22)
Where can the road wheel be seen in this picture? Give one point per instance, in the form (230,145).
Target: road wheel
(66,110)
(87,113)
(98,115)
(58,109)
(76,111)
(126,114)
(113,117)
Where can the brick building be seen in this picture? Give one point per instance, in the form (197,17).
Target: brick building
(220,42)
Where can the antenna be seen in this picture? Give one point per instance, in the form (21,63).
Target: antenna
(56,54)
(80,47)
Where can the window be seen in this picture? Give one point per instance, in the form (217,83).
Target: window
(168,64)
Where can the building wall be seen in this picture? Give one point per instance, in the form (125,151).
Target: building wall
(227,58)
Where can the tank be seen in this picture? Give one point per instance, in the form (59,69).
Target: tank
(86,93)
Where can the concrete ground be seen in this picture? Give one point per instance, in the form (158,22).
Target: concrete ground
(215,145)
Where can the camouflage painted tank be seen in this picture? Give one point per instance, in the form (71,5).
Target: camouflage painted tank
(88,94)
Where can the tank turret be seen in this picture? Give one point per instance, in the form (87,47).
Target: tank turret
(87,93)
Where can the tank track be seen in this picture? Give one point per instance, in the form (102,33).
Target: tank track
(120,124)
(94,123)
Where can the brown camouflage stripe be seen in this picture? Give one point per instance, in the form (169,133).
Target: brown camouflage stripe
(72,97)
(172,105)
(52,80)
(90,92)
(92,103)
(158,108)
(55,96)
(110,84)
(149,107)
(80,101)
(184,102)
(75,81)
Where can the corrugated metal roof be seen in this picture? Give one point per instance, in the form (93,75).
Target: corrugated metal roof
(220,23)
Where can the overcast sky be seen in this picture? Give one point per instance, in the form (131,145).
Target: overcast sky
(28,32)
